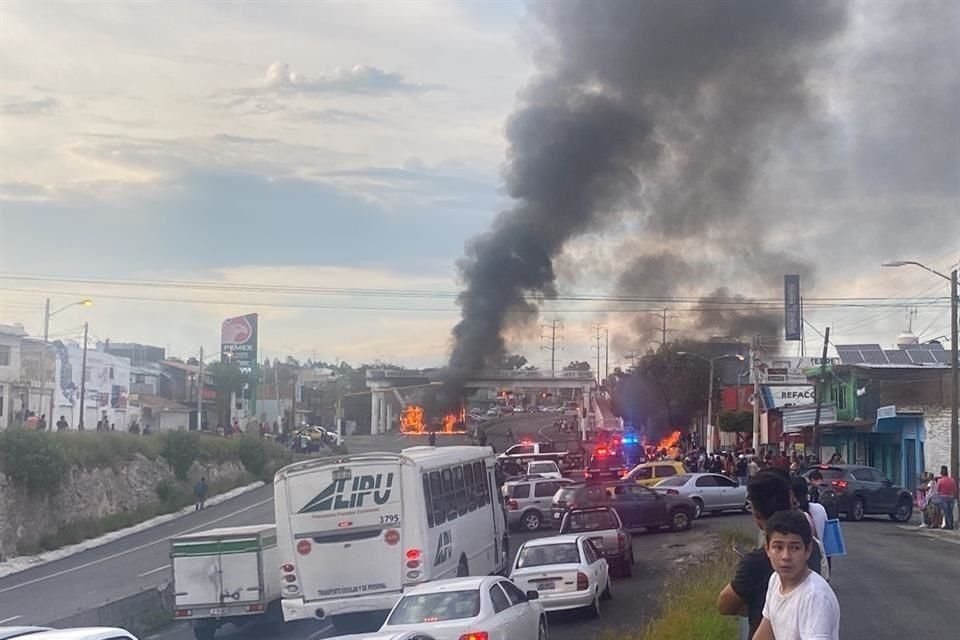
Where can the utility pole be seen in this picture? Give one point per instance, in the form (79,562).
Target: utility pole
(83,376)
(755,375)
(820,393)
(43,368)
(597,328)
(955,392)
(552,327)
(663,315)
(606,354)
(200,393)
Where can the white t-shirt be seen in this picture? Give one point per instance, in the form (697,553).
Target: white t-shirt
(819,515)
(809,612)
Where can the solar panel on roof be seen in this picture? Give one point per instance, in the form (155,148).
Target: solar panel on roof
(897,357)
(849,356)
(920,356)
(875,357)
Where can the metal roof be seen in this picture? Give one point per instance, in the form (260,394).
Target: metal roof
(931,355)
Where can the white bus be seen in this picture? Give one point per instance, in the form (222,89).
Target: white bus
(353,532)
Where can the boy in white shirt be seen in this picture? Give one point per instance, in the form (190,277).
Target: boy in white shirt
(800,604)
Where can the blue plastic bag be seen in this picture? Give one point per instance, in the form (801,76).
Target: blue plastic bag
(833,543)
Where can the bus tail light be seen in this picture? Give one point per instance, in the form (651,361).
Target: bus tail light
(287,568)
(414,560)
(304,547)
(582,582)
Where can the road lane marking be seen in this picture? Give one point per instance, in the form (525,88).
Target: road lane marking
(134,549)
(147,573)
(540,431)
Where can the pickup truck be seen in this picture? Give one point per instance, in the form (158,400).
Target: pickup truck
(230,574)
(568,454)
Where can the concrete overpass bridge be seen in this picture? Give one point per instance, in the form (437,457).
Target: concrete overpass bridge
(387,383)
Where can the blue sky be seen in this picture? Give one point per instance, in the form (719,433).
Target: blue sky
(360,145)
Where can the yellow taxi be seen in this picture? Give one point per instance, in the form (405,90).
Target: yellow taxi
(650,473)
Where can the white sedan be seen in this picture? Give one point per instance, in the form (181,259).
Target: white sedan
(545,469)
(489,607)
(567,571)
(710,492)
(412,635)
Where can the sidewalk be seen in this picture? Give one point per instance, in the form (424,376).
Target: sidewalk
(947,535)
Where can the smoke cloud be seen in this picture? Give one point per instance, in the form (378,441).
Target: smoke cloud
(659,112)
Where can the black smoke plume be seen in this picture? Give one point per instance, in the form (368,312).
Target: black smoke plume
(655,111)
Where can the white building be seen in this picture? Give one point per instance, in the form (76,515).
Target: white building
(107,387)
(10,338)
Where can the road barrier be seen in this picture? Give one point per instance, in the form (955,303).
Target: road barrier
(130,612)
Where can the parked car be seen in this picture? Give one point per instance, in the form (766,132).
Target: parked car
(568,572)
(650,473)
(862,491)
(639,507)
(411,635)
(710,492)
(545,468)
(80,633)
(8,633)
(528,501)
(483,606)
(606,464)
(603,527)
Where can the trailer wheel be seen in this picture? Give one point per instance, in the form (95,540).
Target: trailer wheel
(204,629)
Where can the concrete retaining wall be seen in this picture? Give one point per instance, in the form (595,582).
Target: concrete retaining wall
(128,612)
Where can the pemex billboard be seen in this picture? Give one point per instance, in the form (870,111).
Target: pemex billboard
(238,341)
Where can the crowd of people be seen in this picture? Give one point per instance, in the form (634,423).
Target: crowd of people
(937,497)
(742,464)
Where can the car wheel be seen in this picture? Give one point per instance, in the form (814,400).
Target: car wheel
(697,508)
(904,511)
(593,611)
(607,593)
(531,521)
(542,630)
(857,510)
(680,520)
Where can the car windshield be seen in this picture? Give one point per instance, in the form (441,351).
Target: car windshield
(607,460)
(600,520)
(675,481)
(436,607)
(544,554)
(542,467)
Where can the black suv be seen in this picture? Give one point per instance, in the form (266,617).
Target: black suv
(861,491)
(637,506)
(606,464)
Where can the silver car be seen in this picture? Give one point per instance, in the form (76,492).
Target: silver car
(710,492)
(528,501)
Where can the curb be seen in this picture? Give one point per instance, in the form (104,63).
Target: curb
(22,563)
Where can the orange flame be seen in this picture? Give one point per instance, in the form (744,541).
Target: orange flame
(411,419)
(669,441)
(450,422)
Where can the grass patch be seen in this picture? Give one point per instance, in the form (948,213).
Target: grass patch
(171,497)
(689,600)
(152,622)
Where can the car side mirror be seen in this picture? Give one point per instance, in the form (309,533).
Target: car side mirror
(532,595)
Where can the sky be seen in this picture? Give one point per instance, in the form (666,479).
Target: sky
(237,150)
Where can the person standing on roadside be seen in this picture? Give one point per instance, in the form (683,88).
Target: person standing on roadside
(62,424)
(200,494)
(947,495)
(799,604)
(745,595)
(741,470)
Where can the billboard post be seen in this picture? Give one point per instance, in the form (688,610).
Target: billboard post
(238,344)
(793,319)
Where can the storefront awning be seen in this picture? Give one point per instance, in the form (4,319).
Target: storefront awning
(796,418)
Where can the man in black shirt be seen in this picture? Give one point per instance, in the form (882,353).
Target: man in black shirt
(744,596)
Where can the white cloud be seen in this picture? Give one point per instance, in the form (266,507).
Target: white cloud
(359,79)
(29,106)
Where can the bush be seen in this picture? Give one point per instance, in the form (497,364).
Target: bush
(253,455)
(180,449)
(32,460)
(102,450)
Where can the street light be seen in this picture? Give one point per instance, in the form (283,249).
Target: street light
(47,314)
(711,361)
(955,394)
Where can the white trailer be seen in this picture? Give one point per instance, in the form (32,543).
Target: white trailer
(229,574)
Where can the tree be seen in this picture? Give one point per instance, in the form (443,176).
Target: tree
(512,362)
(577,365)
(735,421)
(229,379)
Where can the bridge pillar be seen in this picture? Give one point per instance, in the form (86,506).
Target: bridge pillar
(389,423)
(382,424)
(374,412)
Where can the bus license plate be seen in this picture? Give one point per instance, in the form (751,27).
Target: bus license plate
(220,611)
